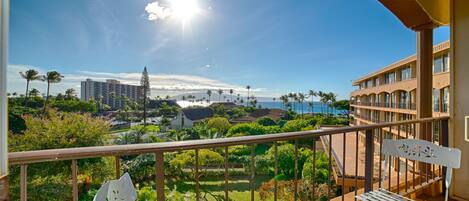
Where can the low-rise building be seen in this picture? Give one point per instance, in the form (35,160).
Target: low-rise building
(188,117)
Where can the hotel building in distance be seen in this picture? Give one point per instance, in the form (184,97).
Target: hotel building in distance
(388,94)
(102,91)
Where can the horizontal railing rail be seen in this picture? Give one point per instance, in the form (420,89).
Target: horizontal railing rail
(27,157)
(373,133)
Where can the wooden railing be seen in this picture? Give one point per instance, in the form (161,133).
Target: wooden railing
(369,132)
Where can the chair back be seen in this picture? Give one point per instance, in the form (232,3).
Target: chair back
(422,151)
(122,189)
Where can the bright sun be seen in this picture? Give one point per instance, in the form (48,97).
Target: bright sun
(184,9)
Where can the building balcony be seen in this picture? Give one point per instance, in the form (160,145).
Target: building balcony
(355,166)
(408,106)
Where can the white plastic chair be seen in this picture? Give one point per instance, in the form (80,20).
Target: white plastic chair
(118,190)
(418,150)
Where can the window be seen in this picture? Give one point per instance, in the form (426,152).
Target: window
(445,99)
(437,65)
(404,99)
(441,64)
(436,100)
(389,78)
(406,73)
(445,63)
(377,81)
(369,83)
(363,85)
(387,100)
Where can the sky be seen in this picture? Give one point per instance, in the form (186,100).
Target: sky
(275,46)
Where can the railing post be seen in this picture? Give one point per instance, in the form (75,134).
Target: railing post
(4,188)
(444,142)
(24,182)
(74,180)
(159,160)
(369,151)
(118,166)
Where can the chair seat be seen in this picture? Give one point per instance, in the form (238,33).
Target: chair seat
(382,194)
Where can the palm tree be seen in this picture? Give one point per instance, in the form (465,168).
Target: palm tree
(29,75)
(331,98)
(322,99)
(219,94)
(312,94)
(274,99)
(248,88)
(284,100)
(231,93)
(209,93)
(51,77)
(301,99)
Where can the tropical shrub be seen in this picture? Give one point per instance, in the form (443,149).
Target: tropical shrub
(286,159)
(60,130)
(297,125)
(220,124)
(266,121)
(244,129)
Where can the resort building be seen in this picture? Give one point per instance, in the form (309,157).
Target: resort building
(111,92)
(389,94)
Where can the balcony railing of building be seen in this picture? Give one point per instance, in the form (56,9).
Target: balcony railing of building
(408,106)
(407,181)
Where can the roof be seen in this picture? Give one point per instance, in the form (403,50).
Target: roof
(226,105)
(420,14)
(198,113)
(275,114)
(436,49)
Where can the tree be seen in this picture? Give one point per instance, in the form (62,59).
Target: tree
(266,121)
(231,93)
(220,124)
(301,99)
(51,77)
(312,94)
(331,98)
(220,92)
(145,83)
(34,92)
(209,93)
(342,105)
(322,99)
(70,93)
(248,88)
(29,75)
(286,159)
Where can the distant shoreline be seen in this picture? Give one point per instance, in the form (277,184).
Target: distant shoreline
(318,107)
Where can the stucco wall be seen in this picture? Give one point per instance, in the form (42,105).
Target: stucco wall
(460,92)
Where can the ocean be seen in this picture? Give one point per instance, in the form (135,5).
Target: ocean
(317,106)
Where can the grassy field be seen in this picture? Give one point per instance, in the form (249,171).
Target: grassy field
(238,187)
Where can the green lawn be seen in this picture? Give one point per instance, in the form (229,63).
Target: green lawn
(239,187)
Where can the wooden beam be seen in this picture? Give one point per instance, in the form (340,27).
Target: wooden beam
(424,88)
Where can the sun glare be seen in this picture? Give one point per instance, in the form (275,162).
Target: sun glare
(184,9)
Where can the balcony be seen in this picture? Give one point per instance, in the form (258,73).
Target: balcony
(354,166)
(407,106)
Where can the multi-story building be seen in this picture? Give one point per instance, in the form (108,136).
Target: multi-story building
(389,93)
(111,92)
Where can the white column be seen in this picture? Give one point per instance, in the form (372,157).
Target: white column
(4,13)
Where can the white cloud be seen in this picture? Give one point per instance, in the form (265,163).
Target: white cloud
(156,11)
(161,84)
